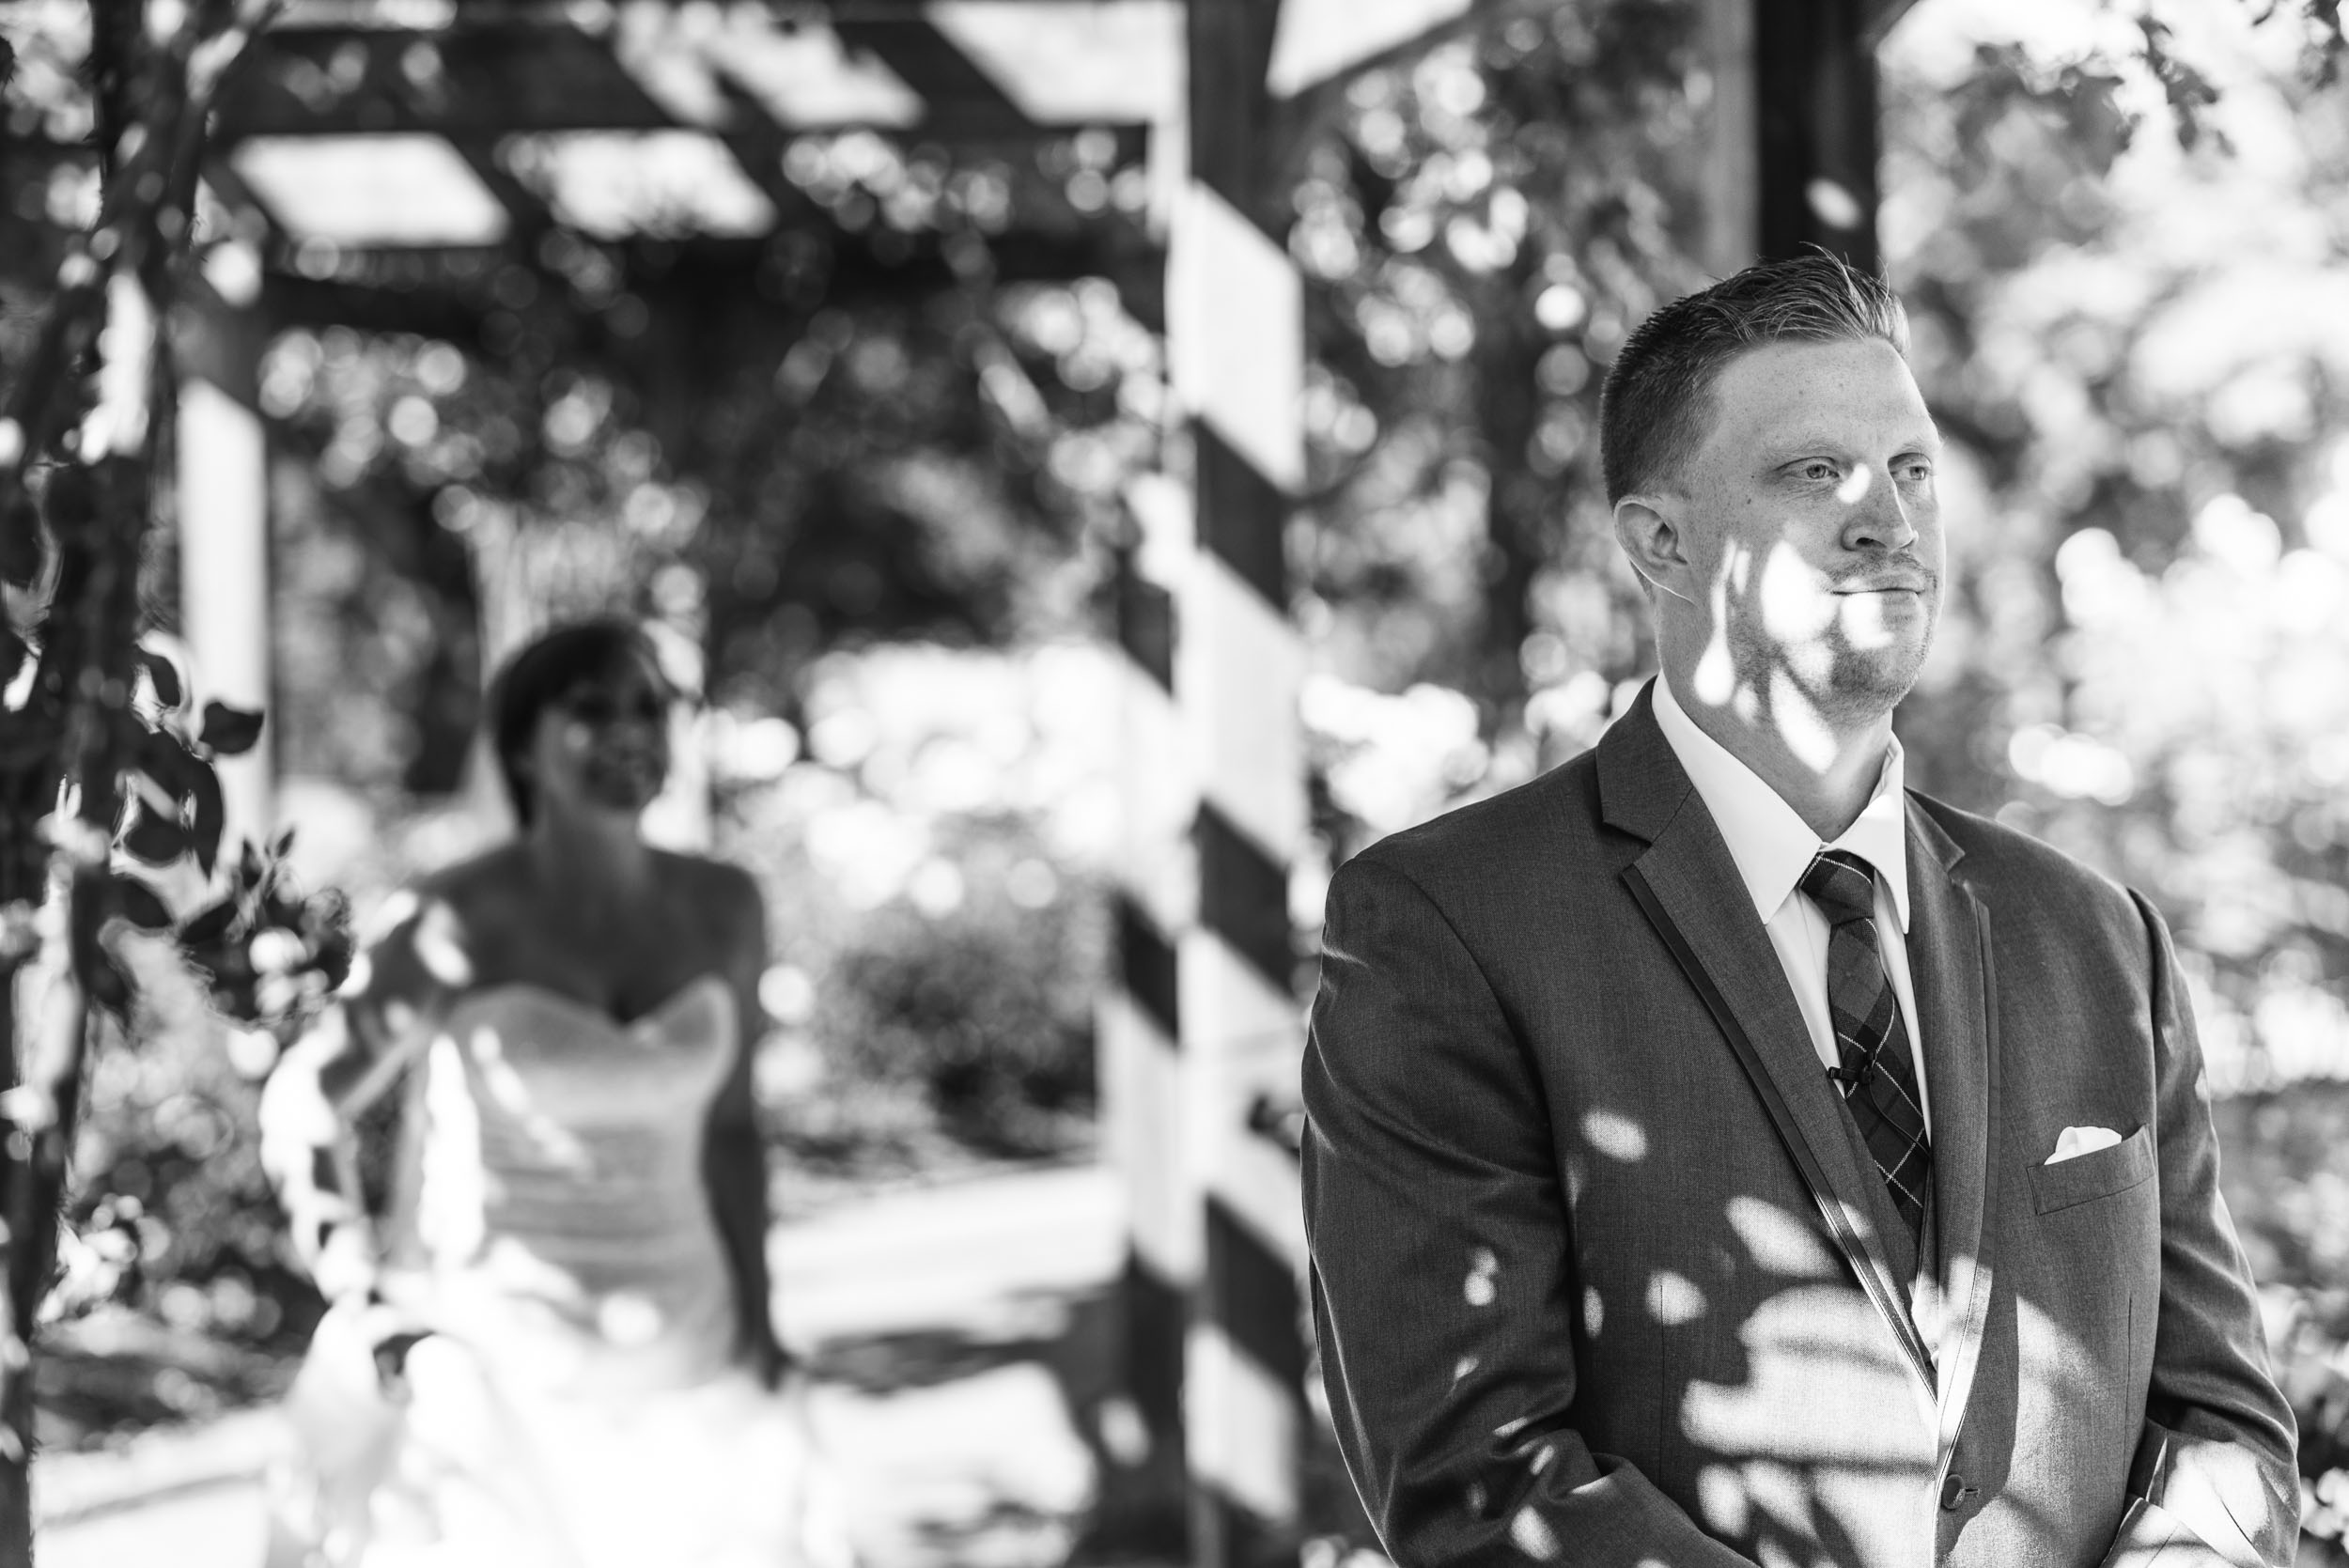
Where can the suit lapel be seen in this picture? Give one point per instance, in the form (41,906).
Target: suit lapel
(1690,888)
(1949,961)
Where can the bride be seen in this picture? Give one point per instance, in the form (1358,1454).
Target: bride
(549,1342)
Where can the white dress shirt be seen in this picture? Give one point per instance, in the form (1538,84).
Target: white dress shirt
(1772,847)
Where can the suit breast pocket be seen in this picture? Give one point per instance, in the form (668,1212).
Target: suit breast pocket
(2085,1178)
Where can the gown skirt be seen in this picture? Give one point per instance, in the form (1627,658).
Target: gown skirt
(568,1396)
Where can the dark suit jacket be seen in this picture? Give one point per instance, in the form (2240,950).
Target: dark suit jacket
(1602,1271)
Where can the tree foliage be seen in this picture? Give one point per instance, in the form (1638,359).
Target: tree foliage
(864,426)
(107,757)
(1487,226)
(2124,320)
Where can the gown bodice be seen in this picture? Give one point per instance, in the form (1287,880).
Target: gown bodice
(560,1211)
(572,1400)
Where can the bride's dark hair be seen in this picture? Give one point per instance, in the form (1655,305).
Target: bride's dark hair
(542,673)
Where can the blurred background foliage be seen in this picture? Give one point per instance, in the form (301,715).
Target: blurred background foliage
(881,526)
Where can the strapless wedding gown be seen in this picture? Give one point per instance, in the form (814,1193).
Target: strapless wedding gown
(574,1401)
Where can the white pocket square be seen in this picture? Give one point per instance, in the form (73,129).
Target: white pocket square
(2075,1141)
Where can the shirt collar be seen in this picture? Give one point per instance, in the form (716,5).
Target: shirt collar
(1771,845)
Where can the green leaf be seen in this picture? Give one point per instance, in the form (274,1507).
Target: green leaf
(230,730)
(212,816)
(209,924)
(166,674)
(137,903)
(20,543)
(334,956)
(175,769)
(157,839)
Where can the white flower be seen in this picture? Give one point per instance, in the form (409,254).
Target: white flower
(275,951)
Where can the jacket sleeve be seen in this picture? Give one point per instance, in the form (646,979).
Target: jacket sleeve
(1443,1283)
(2214,1481)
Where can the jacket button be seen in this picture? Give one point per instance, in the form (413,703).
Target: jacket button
(1955,1493)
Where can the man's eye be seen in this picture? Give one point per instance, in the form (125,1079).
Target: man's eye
(1819,469)
(1916,473)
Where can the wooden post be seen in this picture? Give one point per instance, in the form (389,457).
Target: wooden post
(1732,175)
(222,498)
(1814,78)
(1235,324)
(1143,1508)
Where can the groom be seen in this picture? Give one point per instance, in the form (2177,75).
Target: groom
(1717,1154)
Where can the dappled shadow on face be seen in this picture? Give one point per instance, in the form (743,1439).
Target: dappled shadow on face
(1791,655)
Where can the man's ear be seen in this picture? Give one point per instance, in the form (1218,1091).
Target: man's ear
(1649,527)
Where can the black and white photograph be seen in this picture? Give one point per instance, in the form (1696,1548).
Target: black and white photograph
(1174,784)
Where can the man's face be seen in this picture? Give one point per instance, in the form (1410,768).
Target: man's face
(1811,522)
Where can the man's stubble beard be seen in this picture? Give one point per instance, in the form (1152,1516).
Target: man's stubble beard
(1850,688)
(1866,686)
(1863,685)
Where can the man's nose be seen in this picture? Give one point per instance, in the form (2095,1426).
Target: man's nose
(1879,517)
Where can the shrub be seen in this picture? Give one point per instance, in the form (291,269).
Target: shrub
(179,1297)
(984,1011)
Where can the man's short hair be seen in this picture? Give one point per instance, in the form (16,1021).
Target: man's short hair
(1654,412)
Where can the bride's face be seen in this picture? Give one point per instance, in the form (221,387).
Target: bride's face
(603,745)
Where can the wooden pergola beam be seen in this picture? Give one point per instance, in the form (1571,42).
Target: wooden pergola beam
(1298,118)
(473,80)
(410,291)
(1478,14)
(506,77)
(958,98)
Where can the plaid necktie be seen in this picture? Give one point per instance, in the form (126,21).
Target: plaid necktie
(1877,1078)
